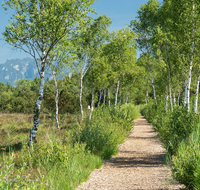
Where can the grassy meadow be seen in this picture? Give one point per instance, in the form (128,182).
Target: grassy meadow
(61,159)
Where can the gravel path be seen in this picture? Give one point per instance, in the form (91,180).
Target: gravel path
(138,165)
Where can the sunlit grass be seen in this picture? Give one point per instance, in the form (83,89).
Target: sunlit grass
(58,160)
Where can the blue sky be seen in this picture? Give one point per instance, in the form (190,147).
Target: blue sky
(120,11)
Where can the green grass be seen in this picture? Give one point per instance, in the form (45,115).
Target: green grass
(60,159)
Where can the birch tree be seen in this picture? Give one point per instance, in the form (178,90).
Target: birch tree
(90,42)
(121,54)
(36,27)
(144,27)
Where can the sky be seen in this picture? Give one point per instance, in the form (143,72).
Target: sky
(121,13)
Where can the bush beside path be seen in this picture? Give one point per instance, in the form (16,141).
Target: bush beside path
(139,164)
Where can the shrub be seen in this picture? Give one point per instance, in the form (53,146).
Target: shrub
(149,111)
(186,167)
(177,126)
(106,130)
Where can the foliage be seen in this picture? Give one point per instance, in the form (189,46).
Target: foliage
(149,111)
(186,168)
(65,166)
(21,99)
(173,127)
(106,130)
(61,160)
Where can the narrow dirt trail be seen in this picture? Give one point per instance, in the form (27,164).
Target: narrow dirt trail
(138,165)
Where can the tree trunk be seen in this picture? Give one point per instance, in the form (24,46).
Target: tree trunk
(81,86)
(179,94)
(154,91)
(170,93)
(108,97)
(56,101)
(104,98)
(39,100)
(174,99)
(80,97)
(101,92)
(190,69)
(196,95)
(127,95)
(147,98)
(185,86)
(116,93)
(92,104)
(166,101)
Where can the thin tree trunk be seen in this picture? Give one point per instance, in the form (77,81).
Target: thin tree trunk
(154,91)
(92,104)
(104,98)
(179,94)
(116,93)
(191,60)
(170,93)
(147,98)
(101,92)
(196,95)
(81,86)
(40,98)
(166,101)
(108,97)
(127,95)
(80,97)
(185,86)
(174,99)
(56,101)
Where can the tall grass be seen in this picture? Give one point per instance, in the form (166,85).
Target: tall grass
(186,164)
(64,159)
(106,130)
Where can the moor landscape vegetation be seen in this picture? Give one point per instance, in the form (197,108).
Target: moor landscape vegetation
(54,131)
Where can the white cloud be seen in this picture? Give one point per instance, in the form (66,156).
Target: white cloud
(7,77)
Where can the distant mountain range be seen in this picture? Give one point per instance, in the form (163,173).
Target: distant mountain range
(15,69)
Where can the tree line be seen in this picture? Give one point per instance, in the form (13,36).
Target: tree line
(168,37)
(103,64)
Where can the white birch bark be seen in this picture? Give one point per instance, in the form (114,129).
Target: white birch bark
(127,95)
(147,97)
(80,97)
(185,86)
(196,95)
(100,96)
(56,100)
(170,93)
(92,104)
(39,100)
(174,99)
(179,94)
(190,68)
(116,93)
(108,97)
(104,98)
(81,86)
(166,101)
(154,91)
